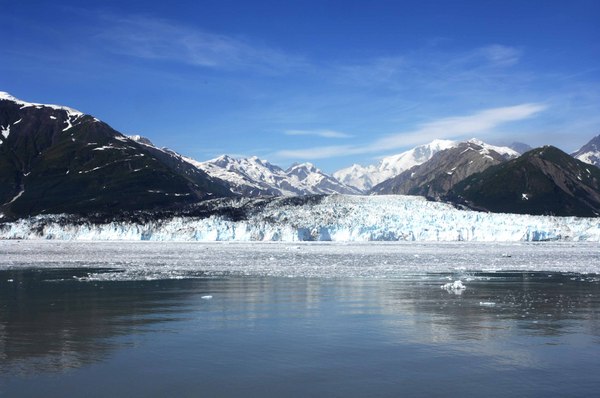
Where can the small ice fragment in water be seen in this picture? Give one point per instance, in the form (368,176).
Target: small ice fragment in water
(487,303)
(10,280)
(208,297)
(452,286)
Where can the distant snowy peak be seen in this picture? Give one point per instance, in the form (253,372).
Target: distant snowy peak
(7,97)
(357,176)
(365,178)
(590,152)
(253,176)
(303,170)
(505,151)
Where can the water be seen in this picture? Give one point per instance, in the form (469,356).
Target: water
(105,327)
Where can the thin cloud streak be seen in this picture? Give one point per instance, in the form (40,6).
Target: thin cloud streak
(319,133)
(481,123)
(158,39)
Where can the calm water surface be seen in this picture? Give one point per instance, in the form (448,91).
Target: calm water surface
(508,334)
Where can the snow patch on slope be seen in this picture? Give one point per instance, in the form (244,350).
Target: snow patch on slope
(505,151)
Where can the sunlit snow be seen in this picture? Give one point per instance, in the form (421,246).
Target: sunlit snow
(338,218)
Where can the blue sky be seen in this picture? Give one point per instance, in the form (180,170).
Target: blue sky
(330,82)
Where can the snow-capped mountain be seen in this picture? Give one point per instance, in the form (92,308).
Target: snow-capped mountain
(542,181)
(255,177)
(590,152)
(367,177)
(56,159)
(434,178)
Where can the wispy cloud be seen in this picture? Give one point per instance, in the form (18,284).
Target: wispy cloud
(499,55)
(319,133)
(159,39)
(481,124)
(432,68)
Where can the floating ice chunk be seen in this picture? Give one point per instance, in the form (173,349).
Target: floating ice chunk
(208,297)
(454,286)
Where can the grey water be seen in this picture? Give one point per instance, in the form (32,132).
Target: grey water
(514,333)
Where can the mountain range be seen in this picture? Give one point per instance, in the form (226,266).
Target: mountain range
(55,159)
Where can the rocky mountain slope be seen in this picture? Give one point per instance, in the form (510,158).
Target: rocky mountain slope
(434,178)
(55,159)
(542,181)
(366,178)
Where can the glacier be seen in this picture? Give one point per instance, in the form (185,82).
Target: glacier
(337,218)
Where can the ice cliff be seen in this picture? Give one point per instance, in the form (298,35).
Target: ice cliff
(331,218)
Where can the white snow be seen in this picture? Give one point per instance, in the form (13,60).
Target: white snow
(72,114)
(261,176)
(7,97)
(502,150)
(102,148)
(71,118)
(365,178)
(5,131)
(338,218)
(17,196)
(589,153)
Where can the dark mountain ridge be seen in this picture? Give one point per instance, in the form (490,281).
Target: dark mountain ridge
(542,181)
(55,159)
(434,178)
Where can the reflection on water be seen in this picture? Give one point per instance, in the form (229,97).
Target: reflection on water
(526,334)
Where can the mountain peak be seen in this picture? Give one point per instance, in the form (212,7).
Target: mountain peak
(306,165)
(544,180)
(590,152)
(8,97)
